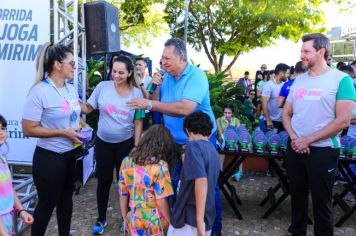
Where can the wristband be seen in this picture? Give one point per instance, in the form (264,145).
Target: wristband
(19,212)
(141,84)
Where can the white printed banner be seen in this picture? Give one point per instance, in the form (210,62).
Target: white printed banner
(24,28)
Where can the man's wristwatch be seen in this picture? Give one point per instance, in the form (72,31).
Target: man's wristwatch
(149,105)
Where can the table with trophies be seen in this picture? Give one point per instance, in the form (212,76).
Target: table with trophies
(347,162)
(272,146)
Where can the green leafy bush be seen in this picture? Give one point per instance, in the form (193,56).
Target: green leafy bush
(95,76)
(223,93)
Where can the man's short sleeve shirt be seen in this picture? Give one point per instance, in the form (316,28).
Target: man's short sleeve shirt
(314,99)
(193,86)
(271,89)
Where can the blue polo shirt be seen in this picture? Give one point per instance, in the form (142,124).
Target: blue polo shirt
(192,85)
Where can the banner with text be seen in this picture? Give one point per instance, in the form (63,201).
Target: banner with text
(24,28)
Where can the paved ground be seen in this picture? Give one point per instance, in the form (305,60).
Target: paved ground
(251,190)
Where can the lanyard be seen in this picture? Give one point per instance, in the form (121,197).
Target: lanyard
(69,99)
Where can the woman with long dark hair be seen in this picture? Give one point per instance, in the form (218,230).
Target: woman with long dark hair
(119,128)
(111,62)
(52,114)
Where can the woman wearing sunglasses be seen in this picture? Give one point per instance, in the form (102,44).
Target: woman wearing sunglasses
(52,114)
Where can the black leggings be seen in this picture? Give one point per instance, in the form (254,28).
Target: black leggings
(108,157)
(53,175)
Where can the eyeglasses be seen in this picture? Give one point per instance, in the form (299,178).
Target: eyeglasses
(72,63)
(263,68)
(252,94)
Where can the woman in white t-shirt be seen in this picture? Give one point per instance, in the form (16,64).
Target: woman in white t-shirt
(52,114)
(119,128)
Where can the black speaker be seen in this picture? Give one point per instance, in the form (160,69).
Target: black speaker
(102,27)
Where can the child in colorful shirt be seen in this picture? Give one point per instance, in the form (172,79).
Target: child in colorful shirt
(9,202)
(145,183)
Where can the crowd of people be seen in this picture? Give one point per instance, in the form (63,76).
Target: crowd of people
(167,173)
(314,106)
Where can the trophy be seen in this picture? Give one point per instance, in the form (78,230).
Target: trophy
(231,138)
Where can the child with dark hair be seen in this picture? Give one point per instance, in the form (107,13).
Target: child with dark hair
(145,183)
(194,211)
(9,202)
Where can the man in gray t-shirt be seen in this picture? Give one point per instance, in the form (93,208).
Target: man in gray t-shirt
(270,94)
(318,107)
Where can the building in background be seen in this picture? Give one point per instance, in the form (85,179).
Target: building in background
(343,42)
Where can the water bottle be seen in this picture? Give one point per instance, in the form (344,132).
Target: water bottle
(262,123)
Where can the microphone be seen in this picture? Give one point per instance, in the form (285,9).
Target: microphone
(152,87)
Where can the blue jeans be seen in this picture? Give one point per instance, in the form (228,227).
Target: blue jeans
(217,226)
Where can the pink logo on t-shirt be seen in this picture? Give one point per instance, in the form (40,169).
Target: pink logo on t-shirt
(112,110)
(65,107)
(316,92)
(69,106)
(300,94)
(308,94)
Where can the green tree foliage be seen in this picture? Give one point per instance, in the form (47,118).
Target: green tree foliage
(95,75)
(223,93)
(231,27)
(140,20)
